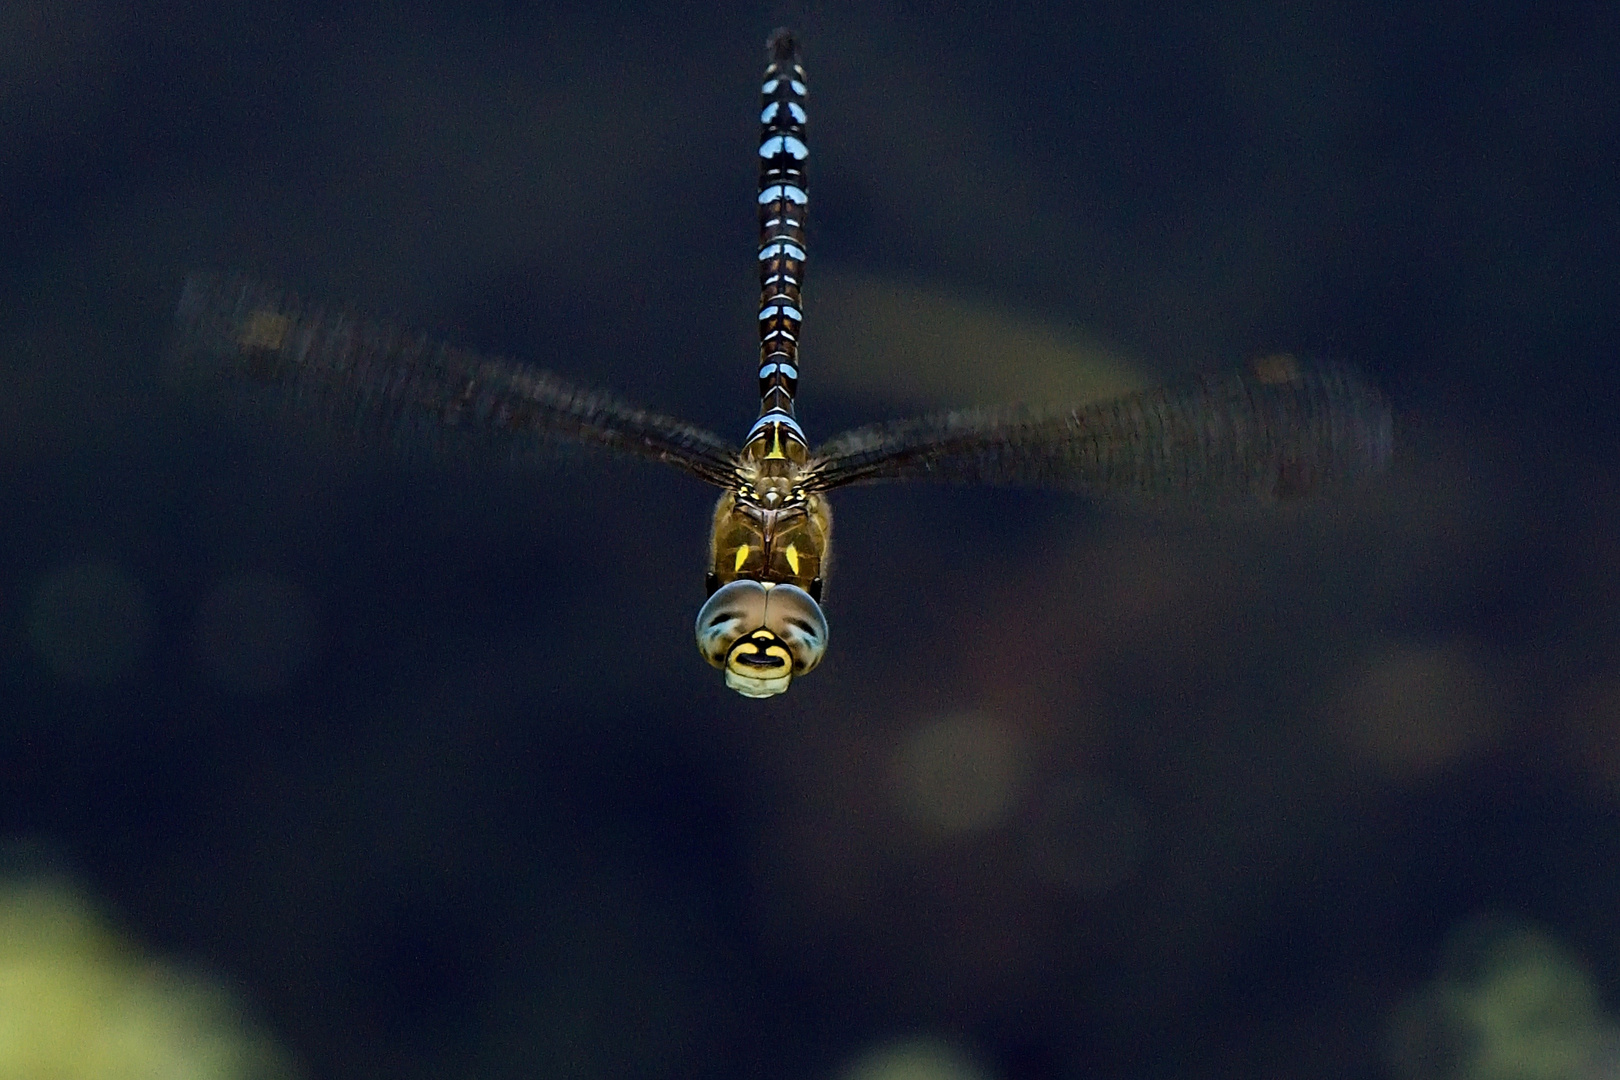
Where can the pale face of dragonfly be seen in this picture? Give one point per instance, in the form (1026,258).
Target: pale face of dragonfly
(1278,428)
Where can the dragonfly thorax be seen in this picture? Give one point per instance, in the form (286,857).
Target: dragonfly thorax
(769,529)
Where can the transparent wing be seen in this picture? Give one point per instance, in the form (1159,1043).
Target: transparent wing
(369,376)
(1278,428)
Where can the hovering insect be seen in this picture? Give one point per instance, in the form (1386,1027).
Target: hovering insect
(1277,428)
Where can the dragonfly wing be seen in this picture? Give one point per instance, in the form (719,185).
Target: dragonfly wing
(369,376)
(1277,428)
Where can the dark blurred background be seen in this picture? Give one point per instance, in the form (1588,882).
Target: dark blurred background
(349,763)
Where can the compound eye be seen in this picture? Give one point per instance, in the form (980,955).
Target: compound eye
(761,635)
(798,622)
(733,611)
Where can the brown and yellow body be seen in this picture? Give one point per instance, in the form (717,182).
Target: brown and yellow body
(770,530)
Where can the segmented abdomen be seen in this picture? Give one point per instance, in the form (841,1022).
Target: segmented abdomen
(782,199)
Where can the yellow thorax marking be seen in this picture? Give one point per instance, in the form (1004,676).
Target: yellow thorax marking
(792,554)
(776,443)
(742,557)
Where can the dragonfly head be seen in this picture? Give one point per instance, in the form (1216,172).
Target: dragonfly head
(761,635)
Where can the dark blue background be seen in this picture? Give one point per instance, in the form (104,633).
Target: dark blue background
(487,813)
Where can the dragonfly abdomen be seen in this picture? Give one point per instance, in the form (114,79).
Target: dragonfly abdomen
(782,201)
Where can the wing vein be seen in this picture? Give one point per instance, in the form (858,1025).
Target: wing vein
(366,375)
(1277,429)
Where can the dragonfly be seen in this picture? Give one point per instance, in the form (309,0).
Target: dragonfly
(1275,428)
